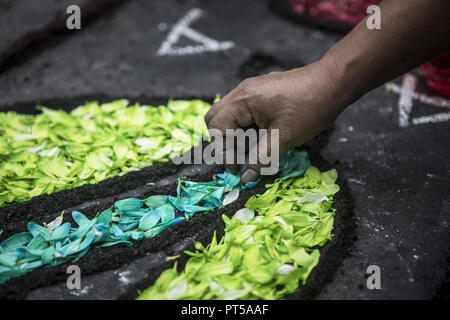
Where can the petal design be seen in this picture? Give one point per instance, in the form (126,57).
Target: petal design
(129,219)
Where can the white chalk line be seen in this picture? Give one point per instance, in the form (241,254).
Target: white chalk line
(181,28)
(438,117)
(405,104)
(434,101)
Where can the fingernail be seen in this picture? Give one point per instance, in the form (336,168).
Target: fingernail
(249,175)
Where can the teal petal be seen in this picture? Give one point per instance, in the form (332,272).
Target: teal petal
(105,216)
(76,246)
(136,214)
(230,179)
(101,231)
(113,243)
(154,202)
(252,184)
(31,265)
(80,218)
(48,255)
(157,230)
(128,227)
(8,259)
(23,255)
(60,232)
(149,220)
(136,235)
(16,241)
(37,230)
(37,245)
(166,212)
(81,255)
(131,204)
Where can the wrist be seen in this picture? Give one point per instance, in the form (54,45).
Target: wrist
(341,71)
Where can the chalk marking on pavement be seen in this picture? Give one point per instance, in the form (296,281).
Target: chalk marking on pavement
(182,28)
(438,117)
(434,101)
(405,104)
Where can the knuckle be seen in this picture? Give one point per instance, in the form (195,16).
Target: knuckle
(209,115)
(246,86)
(214,123)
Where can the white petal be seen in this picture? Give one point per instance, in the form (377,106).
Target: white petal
(178,291)
(55,223)
(244,215)
(258,219)
(312,198)
(24,137)
(147,144)
(54,152)
(37,149)
(284,269)
(234,294)
(231,197)
(213,285)
(281,220)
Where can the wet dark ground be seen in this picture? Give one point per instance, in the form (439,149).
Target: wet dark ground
(393,210)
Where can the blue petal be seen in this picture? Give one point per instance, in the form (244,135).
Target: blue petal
(76,246)
(252,184)
(149,220)
(16,241)
(7,259)
(80,218)
(166,212)
(61,232)
(131,204)
(105,216)
(48,255)
(154,202)
(37,230)
(127,227)
(230,179)
(157,230)
(109,244)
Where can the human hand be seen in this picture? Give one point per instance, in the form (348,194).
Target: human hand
(300,103)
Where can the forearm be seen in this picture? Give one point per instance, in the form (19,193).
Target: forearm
(412,32)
